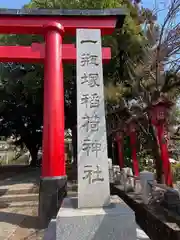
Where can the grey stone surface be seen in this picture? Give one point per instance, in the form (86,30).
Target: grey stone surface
(126,180)
(111,174)
(51,193)
(116,173)
(146,178)
(138,187)
(50,233)
(93,171)
(116,222)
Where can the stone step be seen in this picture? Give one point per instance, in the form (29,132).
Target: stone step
(71,194)
(24,200)
(18,189)
(19,198)
(22,204)
(72,187)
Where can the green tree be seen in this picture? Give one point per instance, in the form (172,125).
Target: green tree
(21,106)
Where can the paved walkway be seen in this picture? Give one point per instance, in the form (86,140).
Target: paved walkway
(18,220)
(141,235)
(17,223)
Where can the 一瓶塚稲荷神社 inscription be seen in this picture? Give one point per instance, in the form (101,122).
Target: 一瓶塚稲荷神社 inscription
(93,173)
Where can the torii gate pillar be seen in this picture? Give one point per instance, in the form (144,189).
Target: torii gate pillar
(53,174)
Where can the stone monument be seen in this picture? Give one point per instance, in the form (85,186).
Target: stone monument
(93,171)
(94,215)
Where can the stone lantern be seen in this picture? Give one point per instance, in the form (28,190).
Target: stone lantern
(158,112)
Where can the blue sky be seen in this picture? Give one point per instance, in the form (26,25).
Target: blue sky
(12,3)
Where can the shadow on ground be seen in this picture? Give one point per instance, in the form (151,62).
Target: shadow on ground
(19,174)
(21,220)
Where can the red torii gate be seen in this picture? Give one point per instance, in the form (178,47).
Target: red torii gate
(52,24)
(36,53)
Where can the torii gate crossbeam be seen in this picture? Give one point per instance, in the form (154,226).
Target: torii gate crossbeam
(36,53)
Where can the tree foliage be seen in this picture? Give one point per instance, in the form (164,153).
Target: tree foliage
(21,105)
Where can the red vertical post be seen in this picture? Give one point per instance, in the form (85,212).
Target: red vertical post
(164,154)
(119,141)
(132,135)
(53,163)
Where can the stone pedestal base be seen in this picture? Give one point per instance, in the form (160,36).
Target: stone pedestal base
(51,193)
(146,178)
(115,222)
